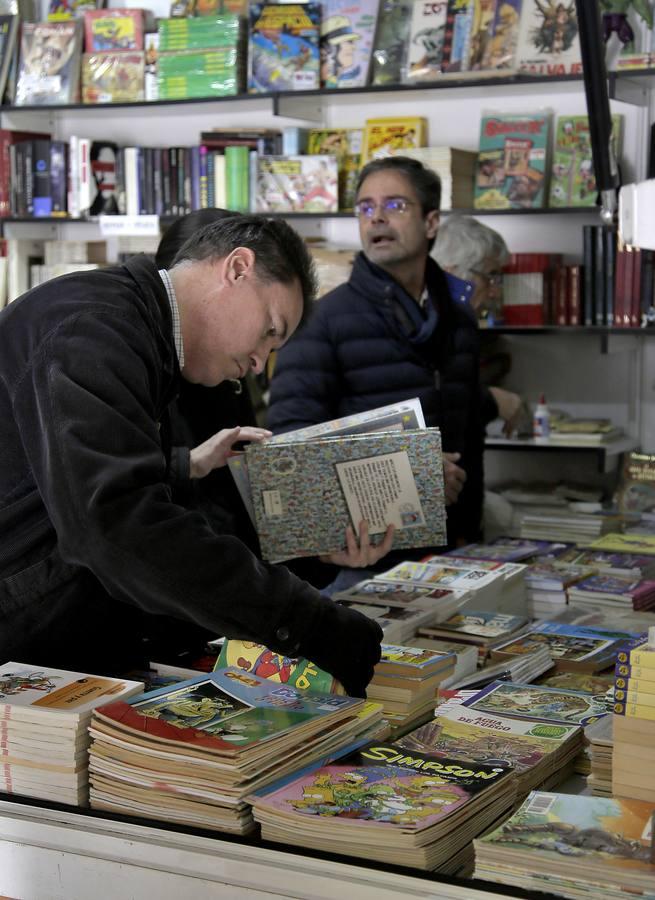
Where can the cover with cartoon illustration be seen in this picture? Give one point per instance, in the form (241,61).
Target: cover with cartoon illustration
(226,712)
(426,41)
(301,183)
(539,703)
(573,648)
(528,747)
(405,594)
(346,45)
(49,66)
(346,145)
(276,667)
(392,134)
(513,161)
(389,60)
(283,50)
(572,845)
(573,182)
(306,493)
(549,41)
(500,47)
(625,543)
(636,489)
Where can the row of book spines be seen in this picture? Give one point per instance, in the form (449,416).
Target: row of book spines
(618,281)
(38,178)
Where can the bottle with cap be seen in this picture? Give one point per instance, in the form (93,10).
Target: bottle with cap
(541,419)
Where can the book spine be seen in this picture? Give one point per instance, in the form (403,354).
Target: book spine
(157,179)
(574,279)
(194,157)
(636,287)
(627,286)
(166,181)
(58,177)
(635,710)
(237,175)
(619,288)
(599,275)
(609,248)
(647,281)
(204,177)
(5,175)
(628,672)
(588,274)
(84,163)
(635,691)
(645,658)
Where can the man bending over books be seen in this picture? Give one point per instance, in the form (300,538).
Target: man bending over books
(395,330)
(92,542)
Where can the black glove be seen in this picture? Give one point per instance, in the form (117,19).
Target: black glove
(344,643)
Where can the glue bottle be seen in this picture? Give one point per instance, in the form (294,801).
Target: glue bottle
(541,419)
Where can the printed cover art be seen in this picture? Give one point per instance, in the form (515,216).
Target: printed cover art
(636,489)
(502,549)
(426,41)
(543,704)
(236,707)
(306,493)
(565,645)
(113,29)
(284,47)
(549,41)
(625,543)
(579,681)
(418,659)
(395,593)
(512,162)
(113,77)
(503,35)
(457,36)
(389,62)
(56,689)
(573,182)
(297,184)
(346,44)
(346,145)
(494,740)
(483,624)
(381,784)
(276,667)
(452,576)
(385,136)
(50,56)
(554,826)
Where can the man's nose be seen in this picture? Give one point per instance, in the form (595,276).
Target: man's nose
(379,213)
(257,362)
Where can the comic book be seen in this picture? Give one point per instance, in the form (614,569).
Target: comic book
(478,626)
(636,489)
(391,46)
(639,544)
(405,594)
(49,65)
(483,16)
(549,42)
(534,750)
(283,50)
(306,493)
(113,77)
(500,50)
(346,145)
(297,184)
(572,846)
(573,182)
(426,41)
(579,681)
(384,803)
(513,161)
(346,44)
(572,648)
(276,667)
(502,549)
(457,36)
(113,29)
(392,134)
(538,703)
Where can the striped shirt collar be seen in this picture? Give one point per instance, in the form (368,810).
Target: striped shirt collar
(175,313)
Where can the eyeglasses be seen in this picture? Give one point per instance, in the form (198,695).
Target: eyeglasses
(493,279)
(393,206)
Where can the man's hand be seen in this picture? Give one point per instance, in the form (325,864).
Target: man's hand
(216,451)
(509,408)
(453,477)
(346,644)
(362,553)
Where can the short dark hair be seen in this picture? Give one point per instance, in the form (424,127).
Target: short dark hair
(281,255)
(425,182)
(179,231)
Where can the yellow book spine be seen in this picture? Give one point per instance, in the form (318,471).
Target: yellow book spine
(635,711)
(634,695)
(626,671)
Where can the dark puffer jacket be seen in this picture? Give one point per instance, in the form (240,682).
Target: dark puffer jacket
(367,344)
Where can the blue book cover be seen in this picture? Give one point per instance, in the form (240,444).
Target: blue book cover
(284,47)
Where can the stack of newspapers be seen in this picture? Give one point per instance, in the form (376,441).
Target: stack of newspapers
(191,752)
(44,716)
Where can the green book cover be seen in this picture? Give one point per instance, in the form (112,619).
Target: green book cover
(573,182)
(259,660)
(237,178)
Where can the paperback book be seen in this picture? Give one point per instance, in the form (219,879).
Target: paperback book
(297,184)
(49,65)
(404,594)
(391,46)
(549,41)
(347,32)
(392,134)
(538,703)
(572,648)
(573,182)
(283,50)
(298,672)
(426,41)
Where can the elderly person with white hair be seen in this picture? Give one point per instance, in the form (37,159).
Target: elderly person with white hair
(476,254)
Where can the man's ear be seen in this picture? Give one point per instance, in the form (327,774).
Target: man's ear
(240,263)
(432,224)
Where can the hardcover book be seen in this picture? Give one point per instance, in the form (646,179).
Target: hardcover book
(305,493)
(283,53)
(549,41)
(297,184)
(513,161)
(49,67)
(347,32)
(538,703)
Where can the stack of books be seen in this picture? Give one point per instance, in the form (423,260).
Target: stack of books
(616,542)
(455,168)
(44,715)
(547,584)
(542,756)
(633,755)
(599,735)
(567,526)
(191,753)
(573,648)
(521,668)
(405,682)
(572,846)
(613,591)
(627,565)
(466,656)
(583,432)
(534,702)
(502,549)
(476,626)
(383,803)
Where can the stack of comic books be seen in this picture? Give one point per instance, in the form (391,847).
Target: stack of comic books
(388,804)
(191,752)
(547,584)
(601,743)
(574,648)
(44,716)
(613,591)
(518,668)
(482,628)
(542,755)
(405,682)
(466,656)
(633,757)
(572,846)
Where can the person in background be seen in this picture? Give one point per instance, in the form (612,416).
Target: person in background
(476,254)
(93,543)
(395,330)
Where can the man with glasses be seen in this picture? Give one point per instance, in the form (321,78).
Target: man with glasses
(395,330)
(476,254)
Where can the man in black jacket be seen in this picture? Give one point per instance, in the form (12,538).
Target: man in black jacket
(399,328)
(91,541)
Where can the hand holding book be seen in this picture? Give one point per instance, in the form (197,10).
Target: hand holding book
(454,477)
(360,553)
(216,450)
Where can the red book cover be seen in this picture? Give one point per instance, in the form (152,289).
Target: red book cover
(619,289)
(574,309)
(7,138)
